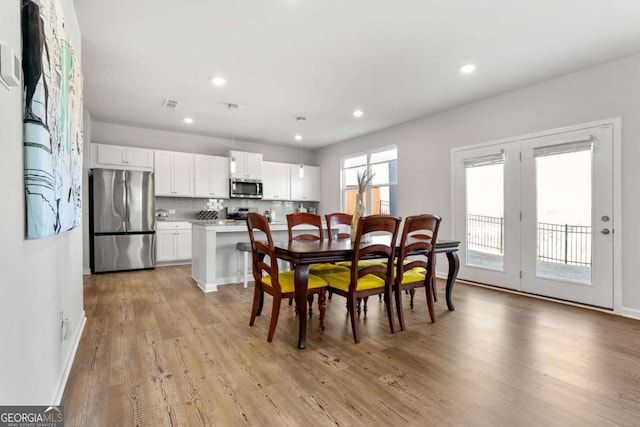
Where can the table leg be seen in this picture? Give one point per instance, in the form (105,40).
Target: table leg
(301,278)
(454,266)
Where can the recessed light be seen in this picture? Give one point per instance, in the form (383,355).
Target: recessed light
(298,137)
(187,120)
(358,113)
(468,68)
(218,81)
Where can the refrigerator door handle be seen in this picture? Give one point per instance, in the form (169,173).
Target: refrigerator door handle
(127,191)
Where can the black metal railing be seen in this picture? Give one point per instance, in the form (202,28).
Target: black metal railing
(557,243)
(564,243)
(485,233)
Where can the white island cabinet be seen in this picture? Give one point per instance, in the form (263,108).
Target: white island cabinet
(215,259)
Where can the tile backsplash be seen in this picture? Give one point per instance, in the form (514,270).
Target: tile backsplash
(180,208)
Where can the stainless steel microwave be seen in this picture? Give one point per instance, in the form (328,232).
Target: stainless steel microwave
(245,188)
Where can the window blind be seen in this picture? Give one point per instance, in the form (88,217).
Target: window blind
(570,147)
(492,159)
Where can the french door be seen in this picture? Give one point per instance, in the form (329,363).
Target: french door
(536,214)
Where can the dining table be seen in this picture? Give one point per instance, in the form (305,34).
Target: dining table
(303,253)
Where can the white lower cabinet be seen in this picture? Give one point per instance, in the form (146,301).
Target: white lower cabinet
(173,241)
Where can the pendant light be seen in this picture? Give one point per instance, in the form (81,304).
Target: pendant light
(298,138)
(232,165)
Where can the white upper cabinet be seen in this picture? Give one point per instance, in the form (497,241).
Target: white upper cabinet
(276,181)
(173,174)
(119,157)
(247,165)
(211,175)
(308,188)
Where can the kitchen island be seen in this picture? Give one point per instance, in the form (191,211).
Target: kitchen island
(215,259)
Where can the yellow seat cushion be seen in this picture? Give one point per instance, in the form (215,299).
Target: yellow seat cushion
(341,281)
(322,269)
(287,284)
(414,275)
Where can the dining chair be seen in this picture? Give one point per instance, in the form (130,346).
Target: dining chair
(374,279)
(334,221)
(306,218)
(269,280)
(416,261)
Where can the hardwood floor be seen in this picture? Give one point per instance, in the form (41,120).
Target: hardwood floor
(156,351)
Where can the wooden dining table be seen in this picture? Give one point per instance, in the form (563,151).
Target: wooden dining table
(303,253)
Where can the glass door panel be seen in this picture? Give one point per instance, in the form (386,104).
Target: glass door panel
(485,214)
(564,215)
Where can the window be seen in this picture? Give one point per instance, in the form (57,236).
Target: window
(382,196)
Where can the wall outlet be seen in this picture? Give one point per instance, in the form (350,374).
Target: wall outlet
(172,211)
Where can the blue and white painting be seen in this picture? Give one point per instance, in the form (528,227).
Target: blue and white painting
(52,121)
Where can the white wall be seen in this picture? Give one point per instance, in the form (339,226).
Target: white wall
(107,133)
(38,278)
(605,91)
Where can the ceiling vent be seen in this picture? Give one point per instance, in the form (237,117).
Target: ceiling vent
(171,104)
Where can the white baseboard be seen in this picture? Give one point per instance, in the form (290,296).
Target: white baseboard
(210,287)
(86,272)
(221,281)
(70,358)
(631,312)
(170,263)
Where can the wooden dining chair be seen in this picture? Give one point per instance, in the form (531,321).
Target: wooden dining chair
(375,279)
(334,221)
(416,262)
(269,280)
(305,218)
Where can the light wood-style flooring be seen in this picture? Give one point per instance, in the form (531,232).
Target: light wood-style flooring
(156,351)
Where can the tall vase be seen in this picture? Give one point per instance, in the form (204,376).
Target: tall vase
(358,212)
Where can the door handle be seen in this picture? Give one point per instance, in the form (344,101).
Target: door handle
(605,231)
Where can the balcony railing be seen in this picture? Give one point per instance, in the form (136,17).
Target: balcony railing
(485,233)
(564,243)
(557,243)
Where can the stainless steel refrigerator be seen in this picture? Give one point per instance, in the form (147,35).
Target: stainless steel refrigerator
(122,226)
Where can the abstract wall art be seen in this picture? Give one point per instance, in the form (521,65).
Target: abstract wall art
(52,84)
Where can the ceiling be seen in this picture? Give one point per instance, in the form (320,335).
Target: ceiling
(322,59)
